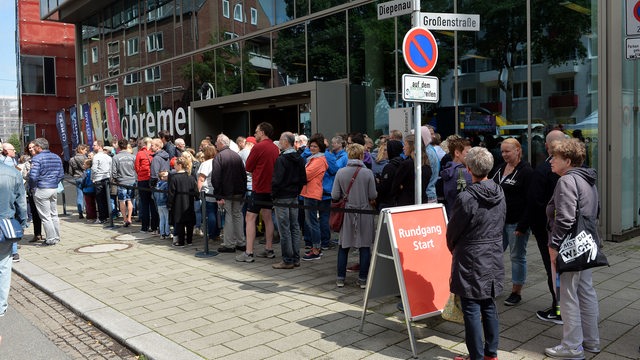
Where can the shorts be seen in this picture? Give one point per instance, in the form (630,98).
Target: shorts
(263,199)
(125,194)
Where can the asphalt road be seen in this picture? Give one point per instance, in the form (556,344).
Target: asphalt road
(37,327)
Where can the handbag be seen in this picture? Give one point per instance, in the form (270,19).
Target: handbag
(453,310)
(10,230)
(580,249)
(336,217)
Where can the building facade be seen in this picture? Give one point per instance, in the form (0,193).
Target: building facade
(199,67)
(46,72)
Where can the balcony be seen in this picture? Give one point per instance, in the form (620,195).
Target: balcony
(494,107)
(488,78)
(566,69)
(563,100)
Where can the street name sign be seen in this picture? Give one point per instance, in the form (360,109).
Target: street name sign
(449,21)
(395,8)
(420,88)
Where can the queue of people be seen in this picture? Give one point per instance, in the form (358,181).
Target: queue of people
(490,207)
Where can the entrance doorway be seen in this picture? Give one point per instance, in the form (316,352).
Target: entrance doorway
(283,119)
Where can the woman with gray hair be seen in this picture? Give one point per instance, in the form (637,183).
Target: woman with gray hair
(474,237)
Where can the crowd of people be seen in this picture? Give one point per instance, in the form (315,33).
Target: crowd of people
(286,187)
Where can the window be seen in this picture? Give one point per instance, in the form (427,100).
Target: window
(132,105)
(154,42)
(237,12)
(94,54)
(520,89)
(113,48)
(113,72)
(493,94)
(132,78)
(152,74)
(565,86)
(254,16)
(155,14)
(229,36)
(114,62)
(84,57)
(95,78)
(468,66)
(468,96)
(154,103)
(225,8)
(38,75)
(132,46)
(111,89)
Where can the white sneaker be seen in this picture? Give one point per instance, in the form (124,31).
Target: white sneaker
(244,257)
(563,352)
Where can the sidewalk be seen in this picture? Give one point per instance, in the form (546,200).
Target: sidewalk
(166,303)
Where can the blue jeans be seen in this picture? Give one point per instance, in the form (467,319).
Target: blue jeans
(311,224)
(212,221)
(365,261)
(197,206)
(325,230)
(165,228)
(518,250)
(79,196)
(289,230)
(480,316)
(6,262)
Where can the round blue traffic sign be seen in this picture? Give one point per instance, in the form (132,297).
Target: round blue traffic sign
(636,11)
(420,51)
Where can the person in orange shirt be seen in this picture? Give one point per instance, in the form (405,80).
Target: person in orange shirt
(312,193)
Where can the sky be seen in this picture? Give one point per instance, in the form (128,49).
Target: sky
(8,84)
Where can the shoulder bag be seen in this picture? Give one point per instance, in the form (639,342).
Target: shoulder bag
(336,217)
(453,310)
(581,247)
(10,230)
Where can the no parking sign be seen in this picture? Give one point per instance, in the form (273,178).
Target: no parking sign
(420,51)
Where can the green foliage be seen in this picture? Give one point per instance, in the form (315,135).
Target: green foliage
(14,140)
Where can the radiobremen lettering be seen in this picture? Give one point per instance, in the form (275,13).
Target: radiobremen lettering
(149,124)
(393,8)
(572,249)
(420,231)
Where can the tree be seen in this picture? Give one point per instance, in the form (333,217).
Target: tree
(14,140)
(556,35)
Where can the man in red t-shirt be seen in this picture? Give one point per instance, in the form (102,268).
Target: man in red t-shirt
(260,164)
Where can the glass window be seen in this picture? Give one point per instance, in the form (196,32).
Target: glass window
(237,12)
(254,16)
(94,54)
(132,105)
(468,96)
(113,48)
(94,79)
(154,103)
(327,48)
(152,74)
(38,75)
(132,46)
(289,56)
(133,78)
(154,42)
(111,89)
(225,8)
(114,62)
(84,57)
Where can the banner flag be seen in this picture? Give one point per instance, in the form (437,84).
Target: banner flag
(62,132)
(113,120)
(96,116)
(75,128)
(86,111)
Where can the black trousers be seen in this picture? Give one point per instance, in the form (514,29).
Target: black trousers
(542,238)
(102,198)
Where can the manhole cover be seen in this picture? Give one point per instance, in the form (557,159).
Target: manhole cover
(125,237)
(102,248)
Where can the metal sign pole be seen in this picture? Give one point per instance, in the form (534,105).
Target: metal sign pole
(203,208)
(417,115)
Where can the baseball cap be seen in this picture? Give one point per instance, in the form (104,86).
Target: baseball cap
(252,140)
